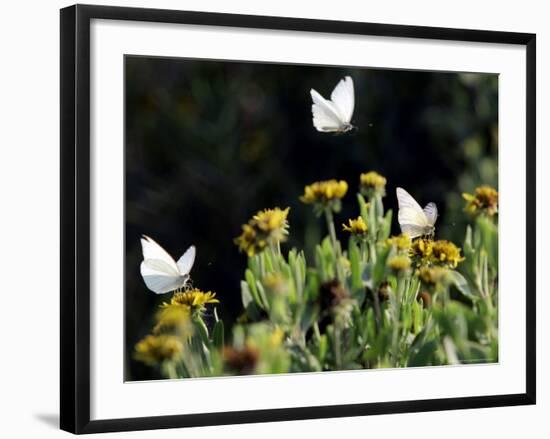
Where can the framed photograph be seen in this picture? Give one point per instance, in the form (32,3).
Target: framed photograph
(267,219)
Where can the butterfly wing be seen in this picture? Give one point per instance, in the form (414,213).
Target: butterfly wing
(431,213)
(411,217)
(185,263)
(343,98)
(160,277)
(151,250)
(325,115)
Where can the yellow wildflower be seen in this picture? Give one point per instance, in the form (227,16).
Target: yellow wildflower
(356,226)
(400,242)
(324,192)
(155,349)
(272,222)
(275,282)
(422,248)
(432,275)
(173,318)
(268,226)
(249,241)
(195,299)
(447,253)
(399,263)
(276,338)
(268,220)
(372,183)
(484,200)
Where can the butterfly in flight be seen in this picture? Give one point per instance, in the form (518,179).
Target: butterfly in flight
(334,115)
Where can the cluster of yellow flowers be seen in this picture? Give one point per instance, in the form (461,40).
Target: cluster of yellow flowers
(372,183)
(267,227)
(436,252)
(433,260)
(483,200)
(325,193)
(173,326)
(154,349)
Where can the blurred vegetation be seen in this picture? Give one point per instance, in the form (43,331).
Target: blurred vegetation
(210,143)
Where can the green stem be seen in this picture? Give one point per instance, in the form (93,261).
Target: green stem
(396,305)
(275,253)
(379,208)
(372,252)
(364,251)
(337,345)
(335,244)
(377,311)
(316,331)
(170,370)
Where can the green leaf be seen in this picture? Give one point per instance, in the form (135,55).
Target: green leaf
(289,276)
(254,264)
(301,263)
(322,349)
(372,223)
(371,325)
(417,313)
(489,239)
(309,315)
(246,297)
(452,320)
(202,330)
(251,280)
(385,228)
(328,251)
(292,258)
(379,271)
(268,262)
(468,244)
(424,355)
(461,284)
(357,288)
(312,284)
(363,209)
(262,295)
(218,334)
(320,264)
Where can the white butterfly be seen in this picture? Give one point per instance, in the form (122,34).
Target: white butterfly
(159,270)
(414,220)
(334,115)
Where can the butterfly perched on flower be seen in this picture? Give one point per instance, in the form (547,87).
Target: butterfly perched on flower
(414,220)
(160,272)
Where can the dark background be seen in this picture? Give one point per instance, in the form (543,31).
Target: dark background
(209,143)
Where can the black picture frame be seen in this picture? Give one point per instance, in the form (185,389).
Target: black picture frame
(75,217)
